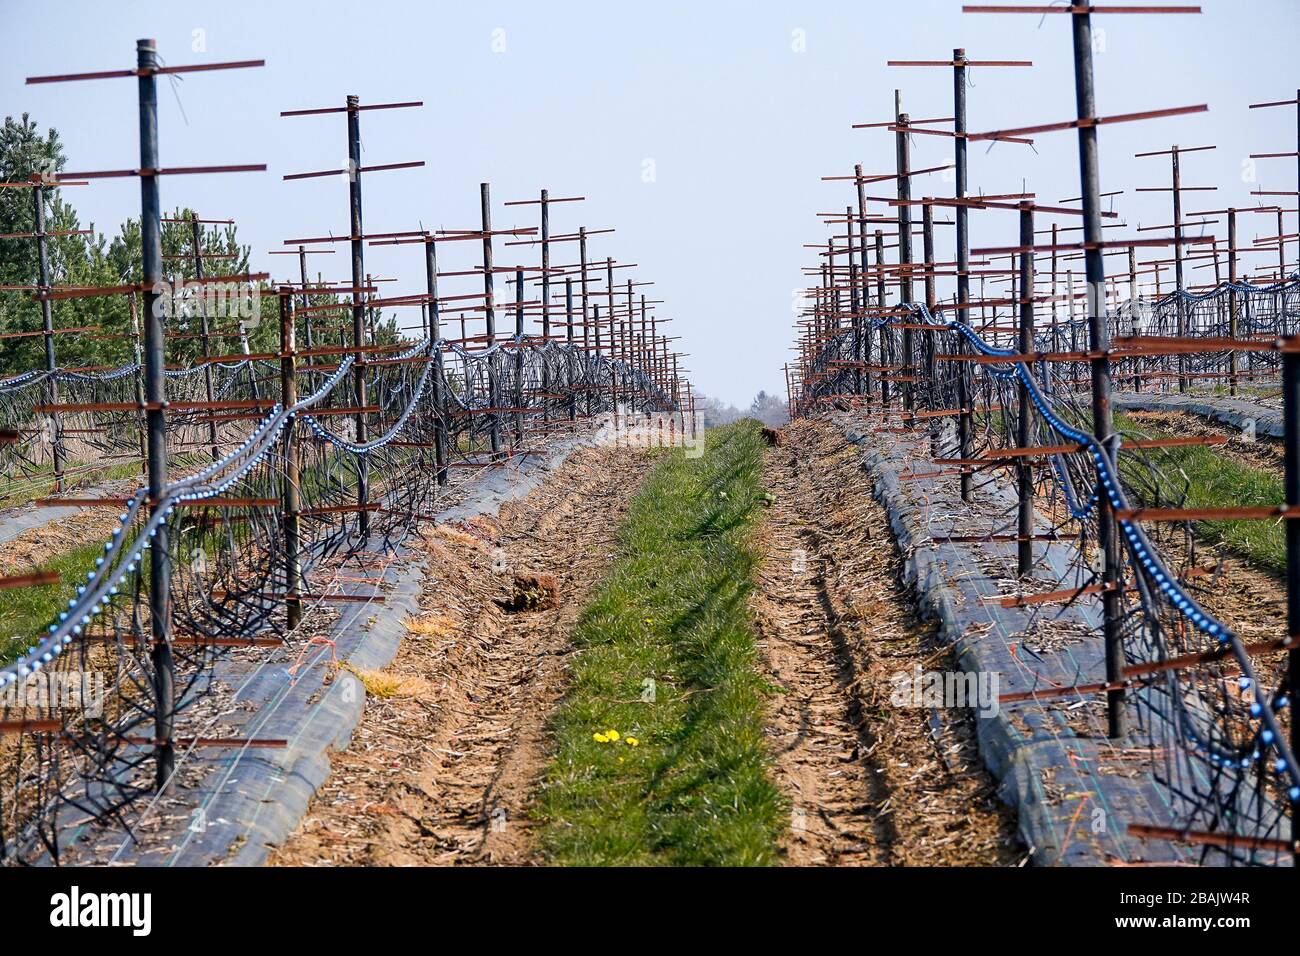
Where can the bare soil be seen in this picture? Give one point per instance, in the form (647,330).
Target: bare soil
(869,783)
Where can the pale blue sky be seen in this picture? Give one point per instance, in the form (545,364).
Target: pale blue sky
(739,124)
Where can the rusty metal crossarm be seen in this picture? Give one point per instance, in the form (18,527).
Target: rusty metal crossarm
(45,235)
(145,71)
(959,63)
(911,122)
(883,177)
(955,135)
(1087,122)
(1255,513)
(1230,841)
(361,169)
(34,579)
(538,202)
(1105,244)
(78,292)
(1076,8)
(163,171)
(356,109)
(982,203)
(370,235)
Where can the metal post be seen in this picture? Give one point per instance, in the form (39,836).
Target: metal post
(371,311)
(904,163)
(864,344)
(658,368)
(927,249)
(568,338)
(439,393)
(137,351)
(519,358)
(1281,257)
(489,305)
(358,309)
(1015,281)
(927,246)
(1056,345)
(291,482)
(1232,299)
(855,318)
(964,423)
(160,619)
(822,308)
(595,318)
(1178,264)
(1132,271)
(1024,469)
(643,357)
(252,376)
(1074,321)
(1133,305)
(832,293)
(613,353)
(586,336)
(1090,179)
(629,351)
(546,301)
(855,305)
(886,340)
(306,302)
(196,243)
(690,405)
(47,325)
(628,348)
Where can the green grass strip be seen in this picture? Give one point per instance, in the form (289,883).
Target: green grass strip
(32,482)
(667,659)
(25,613)
(1218,480)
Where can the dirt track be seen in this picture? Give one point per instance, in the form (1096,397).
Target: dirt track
(441,769)
(869,783)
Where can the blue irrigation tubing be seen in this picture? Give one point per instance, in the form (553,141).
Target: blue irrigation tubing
(1269,733)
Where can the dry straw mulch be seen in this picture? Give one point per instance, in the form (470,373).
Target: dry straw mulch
(870,783)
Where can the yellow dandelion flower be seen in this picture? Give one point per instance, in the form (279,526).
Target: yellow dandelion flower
(631,741)
(600,738)
(611,735)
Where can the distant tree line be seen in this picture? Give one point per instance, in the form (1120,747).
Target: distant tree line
(95,260)
(767,408)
